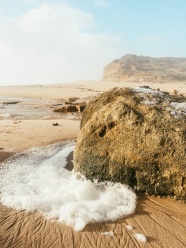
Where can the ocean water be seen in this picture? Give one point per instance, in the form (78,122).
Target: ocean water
(26,108)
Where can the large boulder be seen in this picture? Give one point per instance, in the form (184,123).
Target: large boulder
(137,137)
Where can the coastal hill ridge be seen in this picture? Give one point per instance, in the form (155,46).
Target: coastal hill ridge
(133,68)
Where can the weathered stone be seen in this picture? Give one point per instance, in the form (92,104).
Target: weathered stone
(133,137)
(69,103)
(82,106)
(73,99)
(63,109)
(72,108)
(68,108)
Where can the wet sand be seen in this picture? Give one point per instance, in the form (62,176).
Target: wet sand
(162,221)
(5,155)
(24,134)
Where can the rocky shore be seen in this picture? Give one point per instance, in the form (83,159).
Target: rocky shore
(162,221)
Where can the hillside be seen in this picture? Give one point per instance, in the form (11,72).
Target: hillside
(135,68)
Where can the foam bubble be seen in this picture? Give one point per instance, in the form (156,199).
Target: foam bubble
(129,227)
(37,180)
(5,115)
(110,233)
(179,105)
(140,237)
(147,90)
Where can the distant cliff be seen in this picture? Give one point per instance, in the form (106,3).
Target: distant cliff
(135,68)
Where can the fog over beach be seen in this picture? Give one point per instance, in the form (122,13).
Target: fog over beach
(51,41)
(108,77)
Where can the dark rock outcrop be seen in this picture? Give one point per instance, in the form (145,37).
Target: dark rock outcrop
(71,107)
(135,68)
(73,99)
(136,137)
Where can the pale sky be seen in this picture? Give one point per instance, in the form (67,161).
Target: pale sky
(45,41)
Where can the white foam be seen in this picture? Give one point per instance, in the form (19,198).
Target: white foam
(140,237)
(5,115)
(110,233)
(179,105)
(129,227)
(37,180)
(147,102)
(148,91)
(144,92)
(179,108)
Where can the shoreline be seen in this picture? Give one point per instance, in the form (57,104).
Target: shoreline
(81,89)
(161,220)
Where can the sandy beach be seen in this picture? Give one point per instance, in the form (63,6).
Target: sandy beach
(162,221)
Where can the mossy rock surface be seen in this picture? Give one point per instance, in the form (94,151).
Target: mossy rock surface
(136,137)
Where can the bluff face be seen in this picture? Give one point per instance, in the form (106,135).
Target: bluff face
(135,68)
(137,137)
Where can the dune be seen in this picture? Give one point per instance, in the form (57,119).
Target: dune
(160,221)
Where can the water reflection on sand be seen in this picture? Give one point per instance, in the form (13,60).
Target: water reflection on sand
(28,108)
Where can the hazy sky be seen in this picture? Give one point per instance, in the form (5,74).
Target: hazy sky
(54,41)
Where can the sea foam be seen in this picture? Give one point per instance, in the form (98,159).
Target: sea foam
(36,180)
